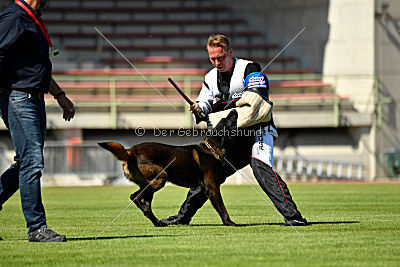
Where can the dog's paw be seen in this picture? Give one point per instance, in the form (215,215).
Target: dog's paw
(230,223)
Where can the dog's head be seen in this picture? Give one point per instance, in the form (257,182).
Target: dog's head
(222,135)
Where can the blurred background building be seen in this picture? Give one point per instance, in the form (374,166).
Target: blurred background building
(334,88)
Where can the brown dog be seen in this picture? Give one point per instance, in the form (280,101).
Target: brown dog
(151,165)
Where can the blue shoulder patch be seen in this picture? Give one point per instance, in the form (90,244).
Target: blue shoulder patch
(256,80)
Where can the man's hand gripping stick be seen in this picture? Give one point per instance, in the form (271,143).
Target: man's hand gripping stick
(187,99)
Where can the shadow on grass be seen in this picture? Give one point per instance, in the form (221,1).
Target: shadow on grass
(260,224)
(339,222)
(119,237)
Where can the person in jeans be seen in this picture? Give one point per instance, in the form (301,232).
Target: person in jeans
(25,76)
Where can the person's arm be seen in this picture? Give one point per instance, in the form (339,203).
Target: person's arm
(255,67)
(203,103)
(3,59)
(63,101)
(250,68)
(204,100)
(10,30)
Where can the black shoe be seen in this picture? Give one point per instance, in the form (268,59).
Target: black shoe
(296,222)
(174,220)
(46,235)
(1,239)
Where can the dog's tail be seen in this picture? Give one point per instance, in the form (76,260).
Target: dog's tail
(117,149)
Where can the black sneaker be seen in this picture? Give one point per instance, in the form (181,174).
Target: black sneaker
(1,239)
(46,235)
(174,220)
(296,222)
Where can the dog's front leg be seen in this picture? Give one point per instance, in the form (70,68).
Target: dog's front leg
(214,194)
(142,199)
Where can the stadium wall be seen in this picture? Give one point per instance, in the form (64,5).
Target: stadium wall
(355,44)
(349,41)
(281,21)
(387,58)
(350,64)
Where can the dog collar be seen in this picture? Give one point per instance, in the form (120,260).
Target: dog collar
(215,154)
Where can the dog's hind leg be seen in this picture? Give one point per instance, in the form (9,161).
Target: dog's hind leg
(214,194)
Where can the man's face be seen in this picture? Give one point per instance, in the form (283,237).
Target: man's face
(220,58)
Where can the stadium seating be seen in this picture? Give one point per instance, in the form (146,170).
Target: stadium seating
(167,34)
(151,89)
(163,38)
(166,38)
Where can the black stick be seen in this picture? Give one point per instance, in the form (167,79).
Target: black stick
(187,99)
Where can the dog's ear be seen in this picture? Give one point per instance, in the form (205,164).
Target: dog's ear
(222,134)
(231,120)
(221,124)
(230,124)
(117,149)
(224,139)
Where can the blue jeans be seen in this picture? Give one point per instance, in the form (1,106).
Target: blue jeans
(27,125)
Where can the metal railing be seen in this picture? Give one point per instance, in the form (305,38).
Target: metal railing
(89,161)
(116,100)
(86,160)
(295,167)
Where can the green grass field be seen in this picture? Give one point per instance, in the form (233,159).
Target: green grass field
(352,225)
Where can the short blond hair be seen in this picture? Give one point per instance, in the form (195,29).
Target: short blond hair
(218,40)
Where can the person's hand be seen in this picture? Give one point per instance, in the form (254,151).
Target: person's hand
(195,109)
(67,107)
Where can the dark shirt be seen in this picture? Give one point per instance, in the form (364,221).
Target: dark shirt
(24,51)
(223,99)
(239,154)
(224,79)
(223,83)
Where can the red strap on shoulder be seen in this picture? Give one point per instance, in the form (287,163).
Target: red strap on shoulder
(39,22)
